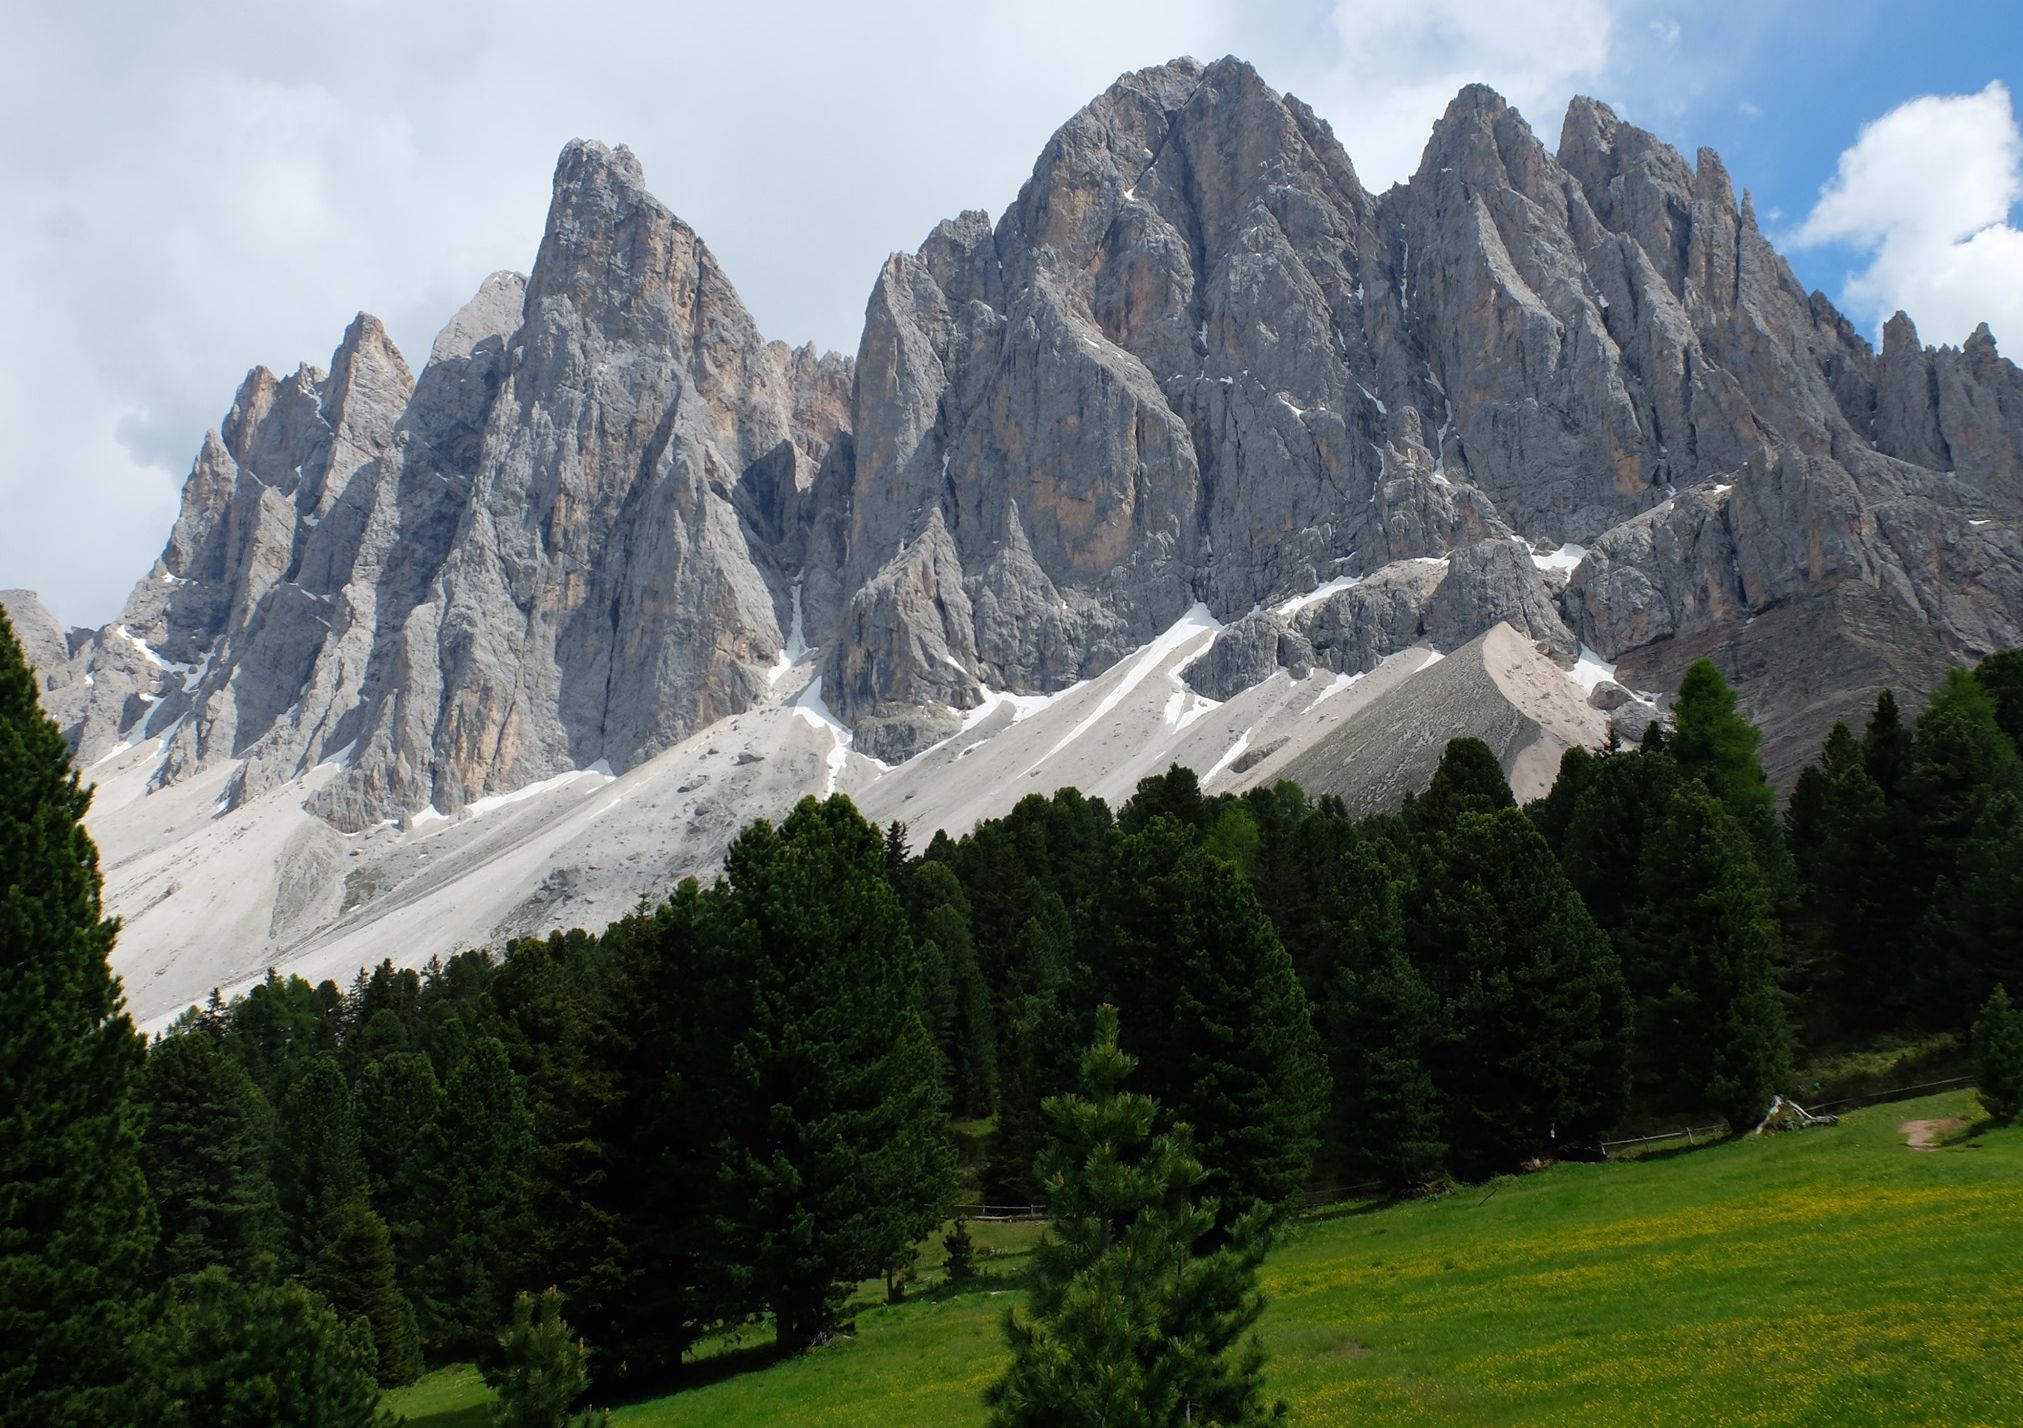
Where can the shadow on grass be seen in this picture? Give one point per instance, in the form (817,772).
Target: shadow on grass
(734,1361)
(726,1363)
(942,1290)
(469,1415)
(1968,1137)
(1350,1209)
(1659,1154)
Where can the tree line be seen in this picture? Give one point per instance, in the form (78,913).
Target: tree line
(729,1109)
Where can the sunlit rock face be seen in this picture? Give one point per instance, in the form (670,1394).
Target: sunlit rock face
(1195,363)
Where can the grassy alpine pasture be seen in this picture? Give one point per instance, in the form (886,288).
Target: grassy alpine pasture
(1831,1276)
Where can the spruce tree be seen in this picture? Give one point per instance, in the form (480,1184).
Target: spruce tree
(1712,742)
(397,1099)
(1036,1058)
(1976,911)
(1174,794)
(207,1152)
(955,1000)
(318,1170)
(2001,675)
(832,1120)
(1998,1057)
(1133,1320)
(279,1026)
(1716,1036)
(1385,1031)
(1886,747)
(637,1261)
(960,1251)
(910,1178)
(1468,780)
(77,1228)
(1228,1035)
(1962,764)
(472,1165)
(227,1353)
(1534,1011)
(1852,902)
(354,1270)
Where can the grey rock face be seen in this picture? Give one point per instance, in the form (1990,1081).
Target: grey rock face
(1195,361)
(42,639)
(568,542)
(1248,651)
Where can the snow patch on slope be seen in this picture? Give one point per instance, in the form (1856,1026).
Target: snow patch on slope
(1190,626)
(1565,558)
(812,710)
(1289,608)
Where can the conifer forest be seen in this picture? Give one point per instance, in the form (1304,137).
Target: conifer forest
(1165,1025)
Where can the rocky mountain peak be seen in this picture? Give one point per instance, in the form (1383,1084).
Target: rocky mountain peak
(369,384)
(1194,372)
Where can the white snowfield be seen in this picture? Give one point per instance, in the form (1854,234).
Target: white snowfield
(213,899)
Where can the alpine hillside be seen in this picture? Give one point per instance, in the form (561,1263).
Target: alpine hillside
(1200,452)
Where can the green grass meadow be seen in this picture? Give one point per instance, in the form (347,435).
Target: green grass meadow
(1831,1276)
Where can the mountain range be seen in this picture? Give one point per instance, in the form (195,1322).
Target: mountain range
(1201,451)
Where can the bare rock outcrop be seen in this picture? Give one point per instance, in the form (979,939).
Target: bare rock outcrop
(1195,361)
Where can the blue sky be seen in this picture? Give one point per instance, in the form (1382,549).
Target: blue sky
(195,189)
(1808,76)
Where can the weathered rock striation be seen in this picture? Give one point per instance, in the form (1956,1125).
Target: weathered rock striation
(1195,362)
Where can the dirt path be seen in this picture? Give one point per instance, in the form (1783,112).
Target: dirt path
(1924,1135)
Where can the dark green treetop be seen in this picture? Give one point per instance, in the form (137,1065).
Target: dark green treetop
(1134,1321)
(77,1227)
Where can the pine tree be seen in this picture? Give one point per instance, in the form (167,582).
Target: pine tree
(1228,1036)
(1133,1321)
(1716,1034)
(960,1251)
(354,1270)
(397,1099)
(1534,1010)
(541,1371)
(207,1152)
(830,1116)
(226,1353)
(318,1171)
(1385,1025)
(77,1229)
(1886,747)
(1036,1056)
(1998,1057)
(1468,780)
(472,1166)
(1713,743)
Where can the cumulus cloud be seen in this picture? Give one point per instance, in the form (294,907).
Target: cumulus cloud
(1925,194)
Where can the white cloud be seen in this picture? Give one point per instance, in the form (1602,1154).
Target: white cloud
(1926,194)
(1397,65)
